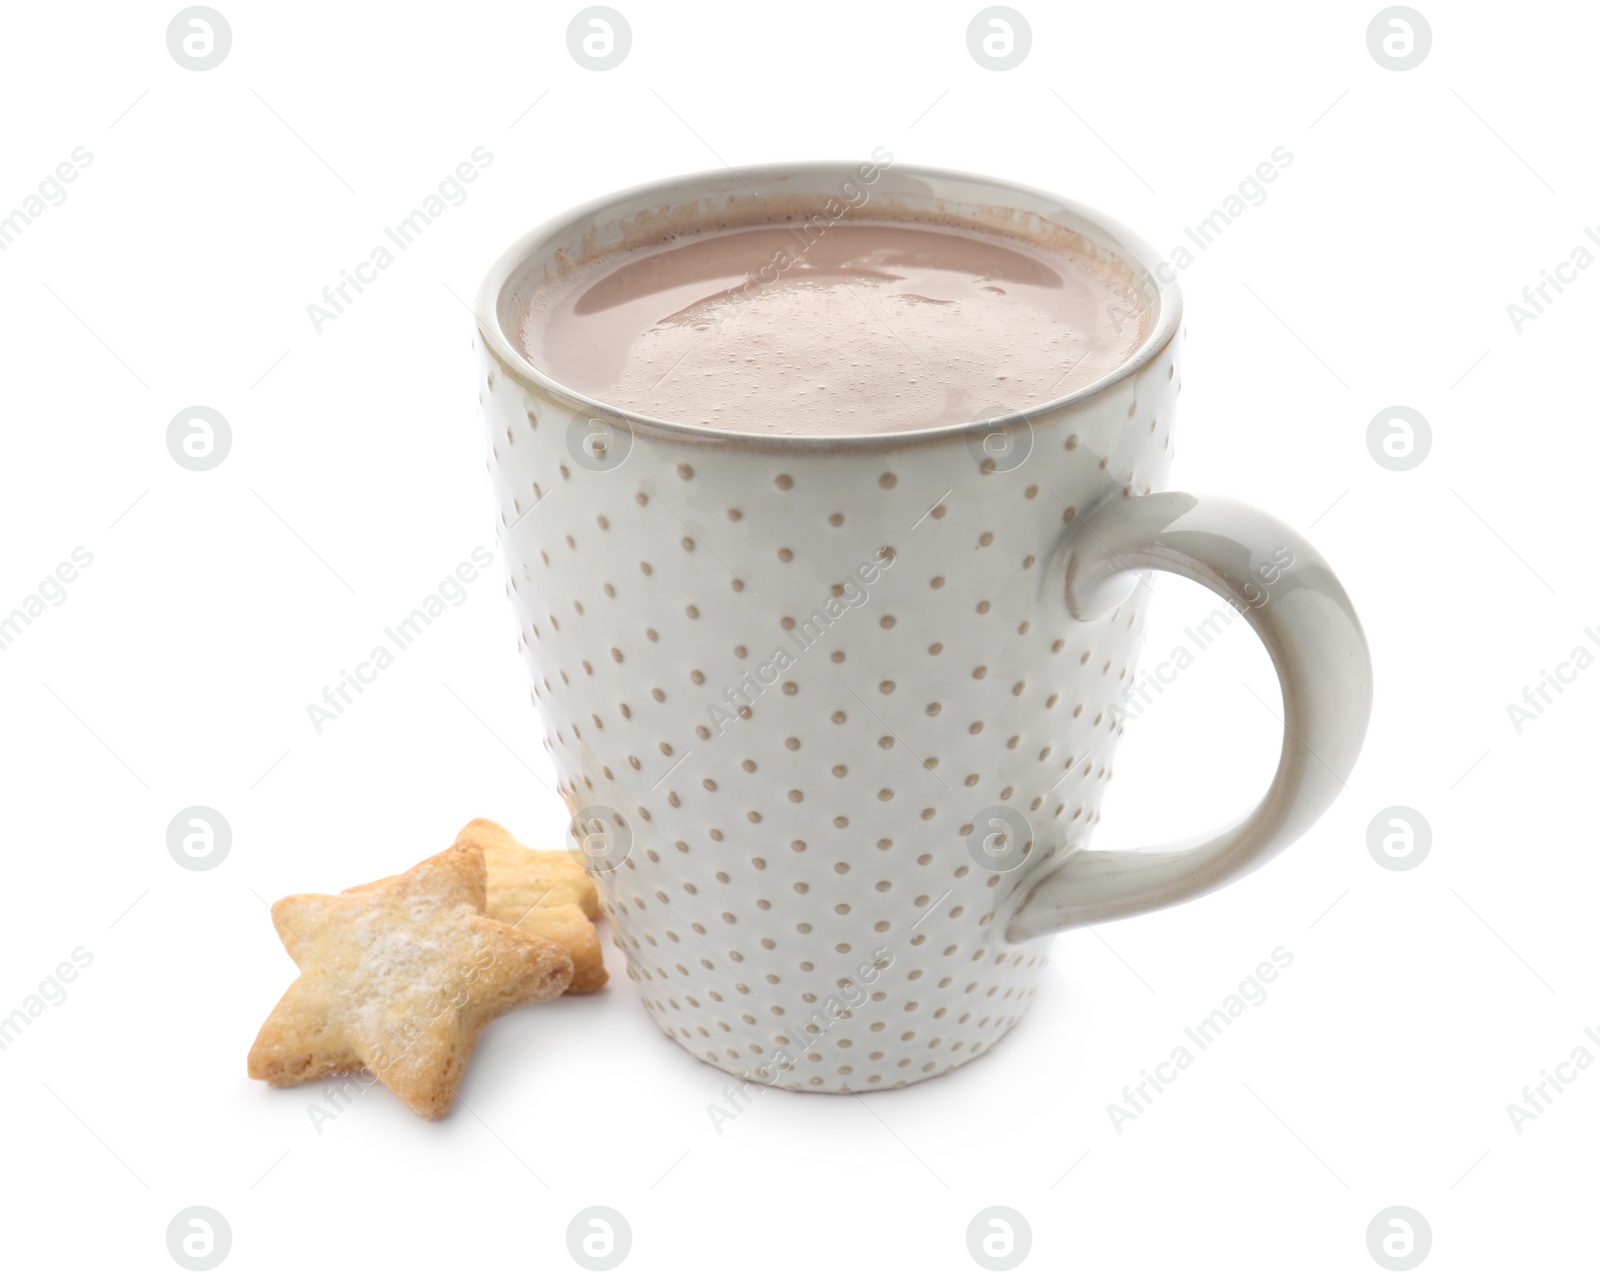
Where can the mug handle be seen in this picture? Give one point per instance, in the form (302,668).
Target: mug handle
(1279,583)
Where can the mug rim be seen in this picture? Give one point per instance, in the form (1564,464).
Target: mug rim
(1161,295)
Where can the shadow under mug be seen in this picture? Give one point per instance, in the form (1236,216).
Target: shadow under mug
(834,715)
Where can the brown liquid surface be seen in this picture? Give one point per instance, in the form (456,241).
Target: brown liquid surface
(859,328)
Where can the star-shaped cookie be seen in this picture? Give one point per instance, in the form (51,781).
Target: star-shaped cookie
(526,878)
(545,892)
(399,977)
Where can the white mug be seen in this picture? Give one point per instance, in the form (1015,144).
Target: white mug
(834,715)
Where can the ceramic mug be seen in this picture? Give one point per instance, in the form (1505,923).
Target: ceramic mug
(834,715)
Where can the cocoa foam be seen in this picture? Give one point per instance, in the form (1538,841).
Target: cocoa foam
(866,326)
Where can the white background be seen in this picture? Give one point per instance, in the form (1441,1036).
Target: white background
(177,272)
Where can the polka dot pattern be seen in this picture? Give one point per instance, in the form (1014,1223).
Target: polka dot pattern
(799,676)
